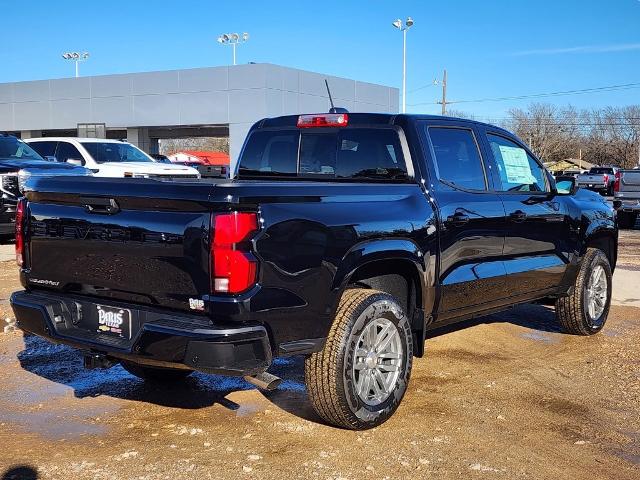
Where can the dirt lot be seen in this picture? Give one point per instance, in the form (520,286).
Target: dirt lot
(504,397)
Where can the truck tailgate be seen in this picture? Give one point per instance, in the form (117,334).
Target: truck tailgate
(630,181)
(142,243)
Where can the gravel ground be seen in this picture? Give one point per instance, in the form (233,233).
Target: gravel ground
(506,396)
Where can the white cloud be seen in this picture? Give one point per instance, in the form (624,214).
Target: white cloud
(624,47)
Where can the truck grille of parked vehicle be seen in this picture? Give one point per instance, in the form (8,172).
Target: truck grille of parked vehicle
(10,184)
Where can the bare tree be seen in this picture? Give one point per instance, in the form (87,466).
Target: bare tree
(169,146)
(605,136)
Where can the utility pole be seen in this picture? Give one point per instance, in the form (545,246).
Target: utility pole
(444,93)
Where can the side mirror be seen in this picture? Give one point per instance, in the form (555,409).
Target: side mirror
(76,162)
(566,185)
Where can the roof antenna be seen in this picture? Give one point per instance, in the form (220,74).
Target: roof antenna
(333,109)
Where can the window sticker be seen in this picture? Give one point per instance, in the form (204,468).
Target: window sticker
(516,165)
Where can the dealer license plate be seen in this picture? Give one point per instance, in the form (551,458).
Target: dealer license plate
(113,321)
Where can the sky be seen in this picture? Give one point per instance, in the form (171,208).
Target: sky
(491,48)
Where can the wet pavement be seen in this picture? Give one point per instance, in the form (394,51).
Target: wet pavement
(504,396)
(508,395)
(7,252)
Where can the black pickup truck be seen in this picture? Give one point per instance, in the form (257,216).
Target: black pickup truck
(343,237)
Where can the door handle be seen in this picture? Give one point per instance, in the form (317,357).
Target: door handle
(457,219)
(518,216)
(104,206)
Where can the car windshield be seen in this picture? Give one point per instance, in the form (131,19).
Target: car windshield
(11,147)
(103,152)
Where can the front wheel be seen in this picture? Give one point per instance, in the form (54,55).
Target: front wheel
(585,311)
(360,377)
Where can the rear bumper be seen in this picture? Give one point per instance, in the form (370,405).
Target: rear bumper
(593,186)
(158,338)
(627,205)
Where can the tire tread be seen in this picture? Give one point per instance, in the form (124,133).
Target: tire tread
(569,309)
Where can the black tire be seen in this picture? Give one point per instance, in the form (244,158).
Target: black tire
(156,374)
(627,220)
(330,374)
(572,311)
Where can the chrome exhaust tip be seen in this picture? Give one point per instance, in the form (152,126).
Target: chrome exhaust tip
(264,381)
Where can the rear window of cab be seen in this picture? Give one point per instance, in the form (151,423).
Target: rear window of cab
(353,153)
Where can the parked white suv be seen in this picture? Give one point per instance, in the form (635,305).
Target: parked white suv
(108,158)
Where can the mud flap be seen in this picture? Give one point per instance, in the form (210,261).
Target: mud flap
(419,330)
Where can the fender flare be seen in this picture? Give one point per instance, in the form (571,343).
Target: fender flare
(370,251)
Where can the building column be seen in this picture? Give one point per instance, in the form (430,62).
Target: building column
(154,146)
(30,134)
(140,138)
(237,135)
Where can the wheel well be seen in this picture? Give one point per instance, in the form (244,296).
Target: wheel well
(397,278)
(607,244)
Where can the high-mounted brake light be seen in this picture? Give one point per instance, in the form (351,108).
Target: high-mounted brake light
(323,120)
(233,270)
(20,231)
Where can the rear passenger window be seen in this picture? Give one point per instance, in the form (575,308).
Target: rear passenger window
(457,157)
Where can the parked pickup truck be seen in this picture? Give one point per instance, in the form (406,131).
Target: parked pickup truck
(600,179)
(109,158)
(343,237)
(627,197)
(17,163)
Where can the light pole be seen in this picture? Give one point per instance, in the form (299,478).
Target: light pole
(233,39)
(76,57)
(403,28)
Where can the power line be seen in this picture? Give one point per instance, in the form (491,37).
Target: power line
(608,88)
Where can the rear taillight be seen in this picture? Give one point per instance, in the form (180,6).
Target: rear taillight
(616,182)
(233,267)
(606,178)
(20,231)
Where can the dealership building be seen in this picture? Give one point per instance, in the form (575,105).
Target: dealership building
(199,102)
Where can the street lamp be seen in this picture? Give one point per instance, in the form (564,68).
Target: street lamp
(76,57)
(403,28)
(233,39)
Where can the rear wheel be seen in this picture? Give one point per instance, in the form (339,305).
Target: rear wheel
(359,379)
(156,374)
(585,311)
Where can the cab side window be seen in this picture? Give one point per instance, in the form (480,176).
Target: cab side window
(457,158)
(45,149)
(68,151)
(518,171)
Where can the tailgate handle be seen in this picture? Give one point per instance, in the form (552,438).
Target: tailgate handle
(104,206)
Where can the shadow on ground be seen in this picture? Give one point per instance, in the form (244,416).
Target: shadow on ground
(63,365)
(537,318)
(20,472)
